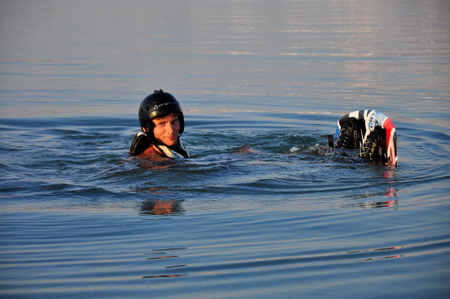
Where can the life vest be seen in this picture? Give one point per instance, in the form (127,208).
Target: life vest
(176,151)
(141,142)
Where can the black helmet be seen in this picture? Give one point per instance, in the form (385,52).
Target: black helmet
(158,104)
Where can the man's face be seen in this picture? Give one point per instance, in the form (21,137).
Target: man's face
(167,129)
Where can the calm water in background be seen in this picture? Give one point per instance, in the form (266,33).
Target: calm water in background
(263,209)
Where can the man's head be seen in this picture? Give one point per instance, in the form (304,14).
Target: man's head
(161,117)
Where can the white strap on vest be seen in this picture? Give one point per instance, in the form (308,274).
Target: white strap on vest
(171,153)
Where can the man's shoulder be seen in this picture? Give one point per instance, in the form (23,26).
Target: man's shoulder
(151,153)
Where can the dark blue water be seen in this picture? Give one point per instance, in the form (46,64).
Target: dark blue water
(263,209)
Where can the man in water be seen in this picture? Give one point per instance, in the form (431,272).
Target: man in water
(162,123)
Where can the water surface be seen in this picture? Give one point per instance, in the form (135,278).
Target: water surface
(263,209)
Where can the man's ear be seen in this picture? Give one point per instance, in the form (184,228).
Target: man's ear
(144,129)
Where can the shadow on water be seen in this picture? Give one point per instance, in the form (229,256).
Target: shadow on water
(162,207)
